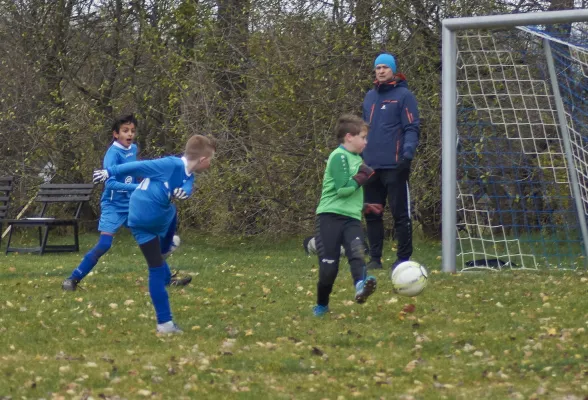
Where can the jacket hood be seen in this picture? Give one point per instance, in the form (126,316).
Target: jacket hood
(399,80)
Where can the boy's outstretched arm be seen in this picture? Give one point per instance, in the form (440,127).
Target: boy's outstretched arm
(154,169)
(111,183)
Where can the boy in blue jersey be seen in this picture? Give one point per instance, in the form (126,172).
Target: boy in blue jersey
(114,203)
(152,215)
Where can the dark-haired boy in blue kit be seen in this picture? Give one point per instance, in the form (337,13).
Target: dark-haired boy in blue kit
(114,203)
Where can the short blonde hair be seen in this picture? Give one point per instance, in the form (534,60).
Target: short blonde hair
(199,146)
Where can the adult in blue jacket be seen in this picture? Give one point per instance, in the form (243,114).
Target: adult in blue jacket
(391,111)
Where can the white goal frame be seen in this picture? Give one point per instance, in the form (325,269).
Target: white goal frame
(450,29)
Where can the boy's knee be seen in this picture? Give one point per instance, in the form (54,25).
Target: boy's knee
(152,253)
(104,244)
(328,269)
(357,249)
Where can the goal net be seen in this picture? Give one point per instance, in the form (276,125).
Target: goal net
(521,146)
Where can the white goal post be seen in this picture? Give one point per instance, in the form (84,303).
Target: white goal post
(515,141)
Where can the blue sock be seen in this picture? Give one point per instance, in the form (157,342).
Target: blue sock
(168,273)
(91,258)
(158,292)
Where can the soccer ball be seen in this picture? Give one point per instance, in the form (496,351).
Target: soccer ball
(409,278)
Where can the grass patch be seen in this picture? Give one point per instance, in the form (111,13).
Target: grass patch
(250,333)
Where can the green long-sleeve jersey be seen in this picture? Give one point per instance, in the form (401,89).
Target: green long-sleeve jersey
(341,193)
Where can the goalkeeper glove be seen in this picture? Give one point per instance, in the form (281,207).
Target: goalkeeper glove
(363,175)
(100,175)
(372,208)
(180,194)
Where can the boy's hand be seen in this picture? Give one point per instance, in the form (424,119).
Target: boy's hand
(180,194)
(372,208)
(100,175)
(363,175)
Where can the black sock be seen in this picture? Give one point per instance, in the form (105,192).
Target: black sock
(323,293)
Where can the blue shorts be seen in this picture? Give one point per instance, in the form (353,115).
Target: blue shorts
(146,227)
(112,219)
(143,236)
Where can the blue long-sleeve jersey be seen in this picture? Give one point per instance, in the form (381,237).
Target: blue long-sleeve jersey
(391,111)
(118,188)
(150,203)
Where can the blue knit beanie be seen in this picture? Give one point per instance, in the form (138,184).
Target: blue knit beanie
(387,59)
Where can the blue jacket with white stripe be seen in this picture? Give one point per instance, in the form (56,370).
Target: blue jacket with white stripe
(391,111)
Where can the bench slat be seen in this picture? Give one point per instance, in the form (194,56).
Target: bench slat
(63,192)
(62,199)
(4,198)
(67,186)
(5,188)
(48,222)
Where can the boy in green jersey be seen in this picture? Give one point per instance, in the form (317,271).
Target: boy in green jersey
(340,211)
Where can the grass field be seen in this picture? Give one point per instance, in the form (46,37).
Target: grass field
(249,332)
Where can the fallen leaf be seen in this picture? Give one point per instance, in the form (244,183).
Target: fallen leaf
(409,308)
(317,352)
(411,366)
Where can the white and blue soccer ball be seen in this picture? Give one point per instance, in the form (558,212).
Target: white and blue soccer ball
(409,278)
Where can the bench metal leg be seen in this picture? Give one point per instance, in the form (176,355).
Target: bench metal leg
(45,236)
(77,241)
(9,238)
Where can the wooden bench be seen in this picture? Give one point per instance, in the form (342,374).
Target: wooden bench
(6,183)
(51,194)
